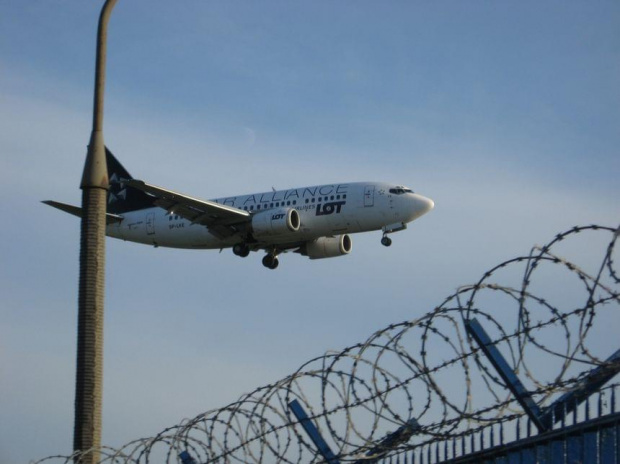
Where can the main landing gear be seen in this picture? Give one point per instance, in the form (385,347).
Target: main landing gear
(270,261)
(386,241)
(241,249)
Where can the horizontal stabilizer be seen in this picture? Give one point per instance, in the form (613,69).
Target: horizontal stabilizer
(77,211)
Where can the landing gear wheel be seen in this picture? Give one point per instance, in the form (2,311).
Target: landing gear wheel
(270,261)
(386,241)
(241,249)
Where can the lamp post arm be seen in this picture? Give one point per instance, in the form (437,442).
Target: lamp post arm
(95,169)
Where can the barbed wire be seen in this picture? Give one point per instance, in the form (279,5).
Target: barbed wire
(428,371)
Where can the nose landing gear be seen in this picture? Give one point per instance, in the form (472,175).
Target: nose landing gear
(389,229)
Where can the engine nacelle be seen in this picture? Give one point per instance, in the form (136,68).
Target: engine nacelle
(328,247)
(275,222)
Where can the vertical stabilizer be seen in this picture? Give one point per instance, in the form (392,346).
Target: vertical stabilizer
(121,197)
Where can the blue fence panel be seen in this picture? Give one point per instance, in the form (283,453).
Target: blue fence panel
(590,448)
(608,447)
(574,447)
(558,453)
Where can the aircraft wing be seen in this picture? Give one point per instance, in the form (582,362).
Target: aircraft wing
(221,220)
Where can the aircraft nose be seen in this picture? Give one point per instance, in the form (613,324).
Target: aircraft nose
(426,204)
(420,205)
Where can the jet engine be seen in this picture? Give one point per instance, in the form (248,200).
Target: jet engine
(275,222)
(328,247)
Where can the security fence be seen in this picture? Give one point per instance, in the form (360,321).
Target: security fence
(520,355)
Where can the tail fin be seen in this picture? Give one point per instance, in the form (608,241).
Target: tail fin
(122,198)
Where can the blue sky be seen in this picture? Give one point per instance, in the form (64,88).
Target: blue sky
(505,114)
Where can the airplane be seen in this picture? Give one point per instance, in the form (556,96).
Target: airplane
(313,221)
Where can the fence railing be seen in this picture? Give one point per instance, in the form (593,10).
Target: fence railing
(600,412)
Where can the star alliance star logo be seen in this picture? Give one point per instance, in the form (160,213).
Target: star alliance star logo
(117,190)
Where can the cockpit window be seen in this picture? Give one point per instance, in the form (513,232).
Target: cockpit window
(399,190)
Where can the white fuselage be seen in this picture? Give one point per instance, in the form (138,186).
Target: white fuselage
(324,210)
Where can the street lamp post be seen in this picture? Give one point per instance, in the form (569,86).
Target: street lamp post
(94,185)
